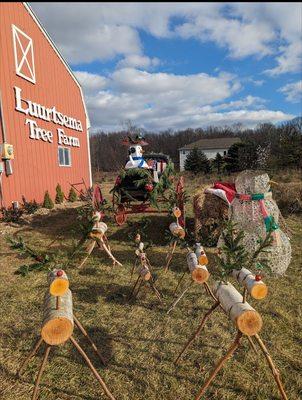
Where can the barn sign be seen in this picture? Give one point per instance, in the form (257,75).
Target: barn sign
(39,111)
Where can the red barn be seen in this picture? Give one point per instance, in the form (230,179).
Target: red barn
(44,137)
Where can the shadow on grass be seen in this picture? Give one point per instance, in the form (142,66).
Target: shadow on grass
(56,390)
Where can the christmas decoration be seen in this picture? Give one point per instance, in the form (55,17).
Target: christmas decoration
(247,321)
(57,328)
(143,268)
(198,272)
(256,213)
(142,185)
(135,152)
(95,233)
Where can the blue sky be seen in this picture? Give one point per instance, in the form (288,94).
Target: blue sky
(178,65)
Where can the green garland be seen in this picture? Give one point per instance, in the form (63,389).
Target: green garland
(144,177)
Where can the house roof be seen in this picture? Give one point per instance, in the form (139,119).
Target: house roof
(207,144)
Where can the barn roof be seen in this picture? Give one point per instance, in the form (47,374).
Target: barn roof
(216,143)
(51,42)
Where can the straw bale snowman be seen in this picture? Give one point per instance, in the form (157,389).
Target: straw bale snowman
(255,212)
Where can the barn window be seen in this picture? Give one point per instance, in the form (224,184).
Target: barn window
(64,157)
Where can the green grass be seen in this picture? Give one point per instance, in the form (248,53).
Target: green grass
(139,340)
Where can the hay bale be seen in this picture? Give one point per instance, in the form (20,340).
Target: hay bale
(210,212)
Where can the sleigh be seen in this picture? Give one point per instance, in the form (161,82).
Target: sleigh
(144,191)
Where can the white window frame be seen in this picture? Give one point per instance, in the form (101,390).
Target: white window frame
(69,151)
(27,52)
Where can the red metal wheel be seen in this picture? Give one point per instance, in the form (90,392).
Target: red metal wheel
(180,194)
(120,215)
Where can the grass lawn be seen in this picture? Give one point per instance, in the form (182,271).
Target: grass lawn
(139,340)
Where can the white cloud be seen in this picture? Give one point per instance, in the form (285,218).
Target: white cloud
(136,61)
(242,39)
(290,60)
(101,31)
(158,101)
(285,20)
(293,92)
(90,82)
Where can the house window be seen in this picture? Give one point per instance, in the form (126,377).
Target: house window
(64,157)
(224,153)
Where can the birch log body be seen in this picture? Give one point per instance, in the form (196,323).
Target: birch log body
(247,320)
(57,325)
(199,273)
(58,282)
(257,289)
(99,229)
(177,230)
(145,272)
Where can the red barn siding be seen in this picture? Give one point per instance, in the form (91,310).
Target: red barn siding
(36,167)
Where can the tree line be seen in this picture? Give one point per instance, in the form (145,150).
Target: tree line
(266,146)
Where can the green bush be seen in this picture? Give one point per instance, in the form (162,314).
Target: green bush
(10,214)
(48,203)
(72,196)
(59,195)
(30,207)
(197,161)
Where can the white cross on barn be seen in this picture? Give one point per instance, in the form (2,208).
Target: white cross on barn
(24,55)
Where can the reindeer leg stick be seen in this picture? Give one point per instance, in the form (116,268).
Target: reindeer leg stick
(34,396)
(138,288)
(31,354)
(89,251)
(107,242)
(132,291)
(132,269)
(178,299)
(220,364)
(209,290)
(199,329)
(170,255)
(94,371)
(103,245)
(272,366)
(156,291)
(82,329)
(252,344)
(179,282)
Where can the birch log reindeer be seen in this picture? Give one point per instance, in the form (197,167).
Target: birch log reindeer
(199,275)
(143,268)
(247,321)
(178,233)
(58,327)
(98,237)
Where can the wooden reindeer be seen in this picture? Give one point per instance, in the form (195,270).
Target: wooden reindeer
(57,328)
(246,319)
(178,233)
(98,237)
(199,275)
(143,268)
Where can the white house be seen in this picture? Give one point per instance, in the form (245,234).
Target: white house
(210,147)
